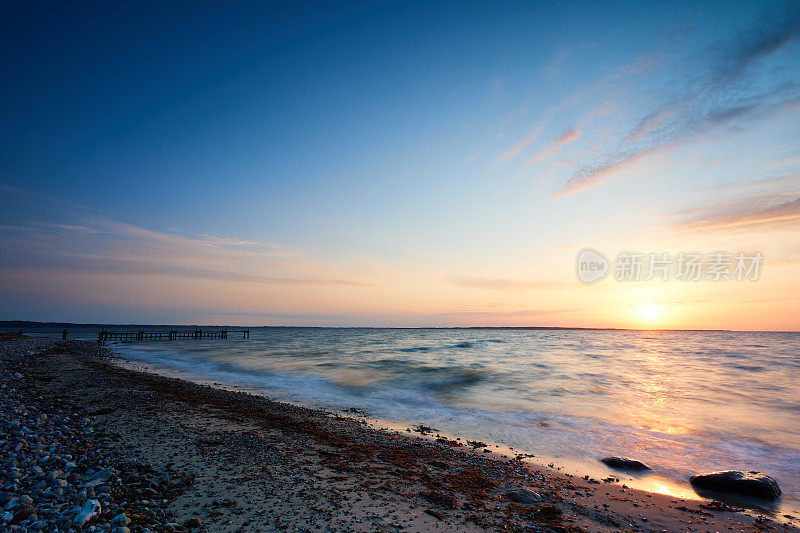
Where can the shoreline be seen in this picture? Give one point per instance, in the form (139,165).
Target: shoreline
(224,461)
(659,480)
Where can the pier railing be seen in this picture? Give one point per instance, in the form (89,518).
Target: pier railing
(105,335)
(173,334)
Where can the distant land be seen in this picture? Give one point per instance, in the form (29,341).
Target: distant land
(27,324)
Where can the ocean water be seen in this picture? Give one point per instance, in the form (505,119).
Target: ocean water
(681,401)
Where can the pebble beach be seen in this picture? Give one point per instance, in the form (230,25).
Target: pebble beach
(87,445)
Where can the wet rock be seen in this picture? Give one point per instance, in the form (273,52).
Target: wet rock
(523,496)
(193,522)
(623,463)
(750,483)
(89,510)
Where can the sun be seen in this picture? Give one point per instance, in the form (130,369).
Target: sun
(649,312)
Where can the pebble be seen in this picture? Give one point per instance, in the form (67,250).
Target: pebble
(54,475)
(89,510)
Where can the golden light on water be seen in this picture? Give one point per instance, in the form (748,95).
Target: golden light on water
(664,486)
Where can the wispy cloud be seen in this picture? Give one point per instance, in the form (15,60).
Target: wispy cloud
(760,41)
(793,162)
(89,244)
(515,150)
(770,203)
(744,216)
(726,96)
(561,140)
(504,284)
(689,128)
(648,123)
(552,68)
(509,314)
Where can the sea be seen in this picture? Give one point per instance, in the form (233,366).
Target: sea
(683,402)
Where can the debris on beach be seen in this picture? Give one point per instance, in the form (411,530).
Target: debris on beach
(523,496)
(423,429)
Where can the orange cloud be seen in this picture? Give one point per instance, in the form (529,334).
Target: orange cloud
(515,150)
(502,284)
(786,214)
(564,138)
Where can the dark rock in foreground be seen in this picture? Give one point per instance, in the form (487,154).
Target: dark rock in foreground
(749,483)
(624,464)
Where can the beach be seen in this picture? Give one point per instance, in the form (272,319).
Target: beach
(90,445)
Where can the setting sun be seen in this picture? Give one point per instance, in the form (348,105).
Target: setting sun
(649,312)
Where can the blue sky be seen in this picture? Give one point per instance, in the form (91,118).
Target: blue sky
(388,145)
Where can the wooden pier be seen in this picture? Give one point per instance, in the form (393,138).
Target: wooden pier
(173,334)
(105,335)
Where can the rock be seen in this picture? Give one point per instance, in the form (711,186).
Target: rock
(121,529)
(193,522)
(524,496)
(17,375)
(750,483)
(622,463)
(98,478)
(120,520)
(22,514)
(89,510)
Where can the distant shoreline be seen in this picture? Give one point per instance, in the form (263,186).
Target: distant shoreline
(13,325)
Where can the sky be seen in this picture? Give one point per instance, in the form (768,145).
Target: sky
(398,163)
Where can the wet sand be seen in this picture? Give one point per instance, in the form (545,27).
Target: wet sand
(163,454)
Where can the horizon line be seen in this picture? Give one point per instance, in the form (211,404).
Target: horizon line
(30,323)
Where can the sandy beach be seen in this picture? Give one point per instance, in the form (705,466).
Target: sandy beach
(90,446)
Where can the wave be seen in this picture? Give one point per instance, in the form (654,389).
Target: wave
(535,392)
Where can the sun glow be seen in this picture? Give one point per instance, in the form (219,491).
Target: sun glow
(649,312)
